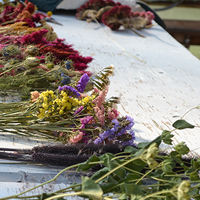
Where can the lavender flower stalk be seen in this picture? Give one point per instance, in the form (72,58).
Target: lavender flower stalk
(121,132)
(82,82)
(69,89)
(78,111)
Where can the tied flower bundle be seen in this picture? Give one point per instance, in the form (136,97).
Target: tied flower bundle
(24,69)
(35,56)
(115,15)
(21,12)
(74,113)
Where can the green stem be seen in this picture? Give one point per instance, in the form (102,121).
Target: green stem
(116,168)
(63,195)
(188,112)
(124,156)
(156,193)
(146,174)
(53,179)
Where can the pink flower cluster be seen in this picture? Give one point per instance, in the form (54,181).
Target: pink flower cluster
(147,15)
(76,138)
(113,114)
(79,136)
(99,108)
(101,97)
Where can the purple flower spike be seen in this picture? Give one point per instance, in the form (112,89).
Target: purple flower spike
(69,89)
(98,141)
(78,111)
(82,82)
(85,120)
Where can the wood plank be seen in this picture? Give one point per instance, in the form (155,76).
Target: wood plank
(184,31)
(156,77)
(185,3)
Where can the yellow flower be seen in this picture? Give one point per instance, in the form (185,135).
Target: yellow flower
(85,100)
(89,108)
(75,102)
(61,112)
(45,106)
(49,13)
(68,106)
(42,113)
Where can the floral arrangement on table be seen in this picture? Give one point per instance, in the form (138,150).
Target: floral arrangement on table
(71,106)
(77,112)
(115,15)
(32,56)
(133,174)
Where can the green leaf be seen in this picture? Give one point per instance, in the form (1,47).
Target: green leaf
(132,177)
(195,164)
(109,187)
(136,197)
(142,145)
(157,140)
(131,188)
(194,176)
(91,189)
(100,173)
(137,165)
(86,166)
(182,124)
(182,148)
(194,192)
(166,137)
(130,149)
(106,158)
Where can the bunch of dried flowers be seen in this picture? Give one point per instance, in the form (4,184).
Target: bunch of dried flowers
(114,15)
(42,67)
(74,113)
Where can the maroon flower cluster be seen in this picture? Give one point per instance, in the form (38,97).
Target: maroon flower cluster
(95,5)
(115,16)
(58,48)
(120,14)
(20,13)
(147,15)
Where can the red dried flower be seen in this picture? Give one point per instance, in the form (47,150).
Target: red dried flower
(35,37)
(117,16)
(19,8)
(7,10)
(29,7)
(95,5)
(38,16)
(143,18)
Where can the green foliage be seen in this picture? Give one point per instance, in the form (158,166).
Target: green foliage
(182,124)
(91,189)
(138,173)
(87,165)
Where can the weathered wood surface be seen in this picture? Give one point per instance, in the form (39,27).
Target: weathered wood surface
(156,77)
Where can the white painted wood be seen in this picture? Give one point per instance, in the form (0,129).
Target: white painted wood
(156,77)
